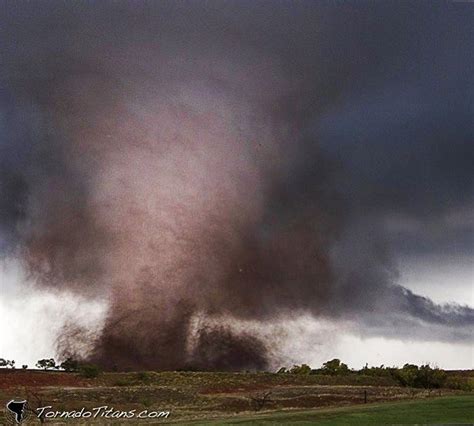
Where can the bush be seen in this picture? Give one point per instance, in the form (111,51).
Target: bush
(409,375)
(406,375)
(70,365)
(7,363)
(46,364)
(89,371)
(431,378)
(381,371)
(420,377)
(335,367)
(143,377)
(458,383)
(301,369)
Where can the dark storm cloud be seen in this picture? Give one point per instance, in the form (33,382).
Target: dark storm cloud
(406,140)
(234,159)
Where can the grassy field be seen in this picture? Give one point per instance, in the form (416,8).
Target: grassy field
(441,410)
(234,397)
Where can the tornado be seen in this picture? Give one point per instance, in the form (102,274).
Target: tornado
(196,166)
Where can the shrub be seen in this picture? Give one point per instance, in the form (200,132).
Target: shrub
(46,364)
(143,377)
(7,363)
(70,365)
(89,371)
(335,367)
(420,377)
(381,371)
(458,383)
(302,369)
(431,378)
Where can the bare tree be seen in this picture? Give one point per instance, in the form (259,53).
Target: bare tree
(258,401)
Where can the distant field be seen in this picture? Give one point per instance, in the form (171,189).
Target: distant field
(441,410)
(235,397)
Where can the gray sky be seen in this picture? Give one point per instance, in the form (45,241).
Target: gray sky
(252,162)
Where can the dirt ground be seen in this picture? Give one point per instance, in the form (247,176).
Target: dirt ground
(11,379)
(193,396)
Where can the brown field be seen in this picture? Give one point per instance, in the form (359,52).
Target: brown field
(198,395)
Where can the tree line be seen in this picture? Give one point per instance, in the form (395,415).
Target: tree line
(69,365)
(410,375)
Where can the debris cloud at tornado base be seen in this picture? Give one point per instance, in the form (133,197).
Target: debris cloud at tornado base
(183,162)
